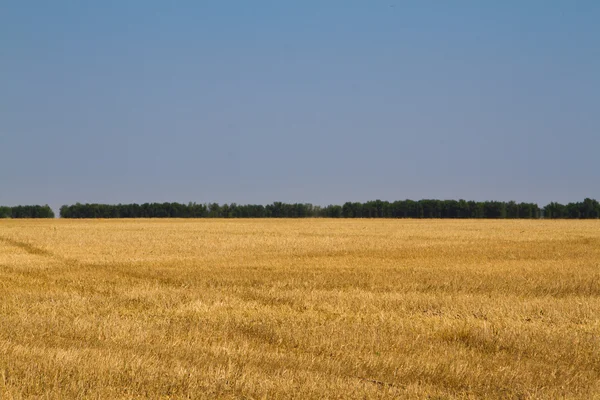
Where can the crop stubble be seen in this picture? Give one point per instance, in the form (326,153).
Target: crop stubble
(316,308)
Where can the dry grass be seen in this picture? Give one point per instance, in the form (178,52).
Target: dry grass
(299,309)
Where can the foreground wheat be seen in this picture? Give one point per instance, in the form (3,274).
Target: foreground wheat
(299,308)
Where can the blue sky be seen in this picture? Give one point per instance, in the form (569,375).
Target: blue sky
(306,101)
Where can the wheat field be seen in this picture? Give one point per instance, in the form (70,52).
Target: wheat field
(319,308)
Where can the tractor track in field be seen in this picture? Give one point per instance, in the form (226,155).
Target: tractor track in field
(38,251)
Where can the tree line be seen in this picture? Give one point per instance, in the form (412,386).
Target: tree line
(589,208)
(35,211)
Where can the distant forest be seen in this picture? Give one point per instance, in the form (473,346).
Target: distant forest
(588,208)
(26,212)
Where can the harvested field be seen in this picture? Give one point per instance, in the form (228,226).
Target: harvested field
(314,308)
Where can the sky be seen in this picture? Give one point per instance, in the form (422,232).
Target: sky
(298,101)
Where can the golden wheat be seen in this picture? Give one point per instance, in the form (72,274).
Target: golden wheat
(299,309)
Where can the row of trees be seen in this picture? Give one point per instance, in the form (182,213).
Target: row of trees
(195,210)
(26,212)
(440,209)
(589,208)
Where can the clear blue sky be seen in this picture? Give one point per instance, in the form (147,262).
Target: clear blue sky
(304,101)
